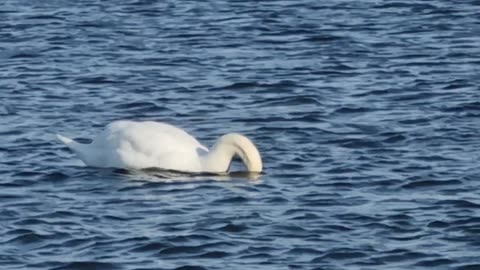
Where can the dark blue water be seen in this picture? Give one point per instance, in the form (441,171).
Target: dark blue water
(367,114)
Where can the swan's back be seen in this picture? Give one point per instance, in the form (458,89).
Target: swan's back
(148,144)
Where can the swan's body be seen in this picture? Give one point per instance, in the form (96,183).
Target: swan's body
(138,145)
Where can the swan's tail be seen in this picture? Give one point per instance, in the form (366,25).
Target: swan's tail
(65,140)
(76,147)
(81,150)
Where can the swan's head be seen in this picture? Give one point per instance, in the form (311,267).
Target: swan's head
(237,144)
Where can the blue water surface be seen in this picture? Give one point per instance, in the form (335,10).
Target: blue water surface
(367,115)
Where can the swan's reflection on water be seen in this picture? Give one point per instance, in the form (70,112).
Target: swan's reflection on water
(170,176)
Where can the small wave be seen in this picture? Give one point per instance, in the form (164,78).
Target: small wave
(468,267)
(96,80)
(214,255)
(54,177)
(303,251)
(155,246)
(459,203)
(27,238)
(234,228)
(180,250)
(89,265)
(190,267)
(354,110)
(137,105)
(399,255)
(236,199)
(340,254)
(430,183)
(438,224)
(435,262)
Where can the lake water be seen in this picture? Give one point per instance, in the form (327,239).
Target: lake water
(367,115)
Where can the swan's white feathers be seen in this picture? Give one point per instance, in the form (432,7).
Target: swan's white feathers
(147,144)
(136,145)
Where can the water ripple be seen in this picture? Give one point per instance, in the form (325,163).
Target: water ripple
(365,114)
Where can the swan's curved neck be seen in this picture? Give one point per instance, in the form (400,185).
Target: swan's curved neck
(220,156)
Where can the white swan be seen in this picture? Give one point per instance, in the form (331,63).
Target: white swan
(138,145)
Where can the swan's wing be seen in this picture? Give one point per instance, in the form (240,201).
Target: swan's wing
(150,144)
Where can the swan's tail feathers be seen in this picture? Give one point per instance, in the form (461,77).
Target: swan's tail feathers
(73,145)
(65,140)
(81,150)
